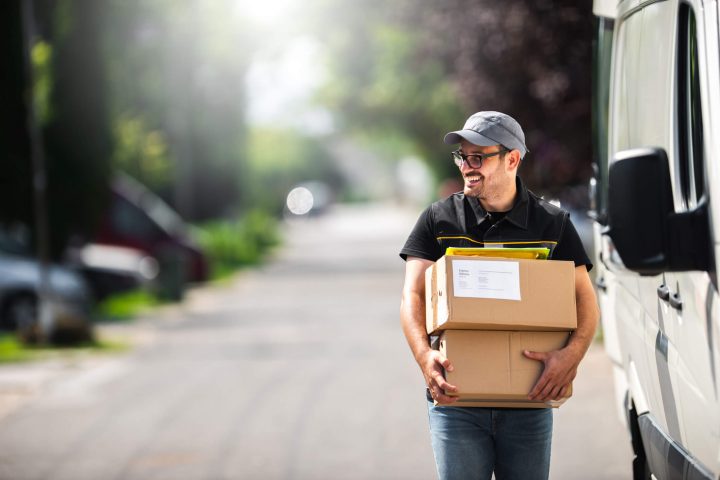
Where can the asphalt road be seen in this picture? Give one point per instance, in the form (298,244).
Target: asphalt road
(297,370)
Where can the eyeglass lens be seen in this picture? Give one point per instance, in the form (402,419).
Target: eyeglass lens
(473,161)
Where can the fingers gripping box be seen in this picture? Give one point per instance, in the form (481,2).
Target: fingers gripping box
(490,368)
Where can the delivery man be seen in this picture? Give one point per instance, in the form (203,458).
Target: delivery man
(494,209)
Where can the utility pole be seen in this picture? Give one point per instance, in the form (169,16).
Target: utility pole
(44,326)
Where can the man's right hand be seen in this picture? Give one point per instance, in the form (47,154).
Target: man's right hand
(412,319)
(432,368)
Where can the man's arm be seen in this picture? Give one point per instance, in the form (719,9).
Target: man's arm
(412,319)
(561,365)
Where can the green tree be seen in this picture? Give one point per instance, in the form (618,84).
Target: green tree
(16,196)
(70,102)
(278,166)
(77,132)
(383,83)
(418,69)
(177,88)
(529,58)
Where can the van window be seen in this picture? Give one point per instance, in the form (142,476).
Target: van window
(690,127)
(602,55)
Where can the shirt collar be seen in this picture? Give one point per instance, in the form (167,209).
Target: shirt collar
(517,215)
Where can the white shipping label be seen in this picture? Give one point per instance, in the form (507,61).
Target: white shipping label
(486,279)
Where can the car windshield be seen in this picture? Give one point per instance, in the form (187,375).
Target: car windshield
(136,194)
(15,240)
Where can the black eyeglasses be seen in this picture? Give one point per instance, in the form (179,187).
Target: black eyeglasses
(474,160)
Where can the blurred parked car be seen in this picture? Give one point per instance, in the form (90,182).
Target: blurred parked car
(139,219)
(66,298)
(109,269)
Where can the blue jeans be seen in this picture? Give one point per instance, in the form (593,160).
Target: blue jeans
(472,443)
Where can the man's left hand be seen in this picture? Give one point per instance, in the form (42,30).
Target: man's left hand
(560,370)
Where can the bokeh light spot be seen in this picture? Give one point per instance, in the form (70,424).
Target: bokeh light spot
(300,201)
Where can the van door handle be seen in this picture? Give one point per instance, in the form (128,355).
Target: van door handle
(601,284)
(676,301)
(663,292)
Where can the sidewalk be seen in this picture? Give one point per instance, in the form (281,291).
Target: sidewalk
(21,381)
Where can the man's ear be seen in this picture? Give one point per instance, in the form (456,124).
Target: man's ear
(512,159)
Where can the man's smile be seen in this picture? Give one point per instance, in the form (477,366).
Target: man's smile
(473,179)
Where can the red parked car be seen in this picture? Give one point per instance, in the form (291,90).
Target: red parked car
(139,219)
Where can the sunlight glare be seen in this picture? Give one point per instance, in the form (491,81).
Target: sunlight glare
(264,13)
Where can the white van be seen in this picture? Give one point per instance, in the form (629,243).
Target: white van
(656,207)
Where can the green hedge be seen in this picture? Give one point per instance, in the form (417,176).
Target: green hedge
(230,245)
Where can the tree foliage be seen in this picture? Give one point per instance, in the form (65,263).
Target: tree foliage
(382,84)
(531,59)
(77,134)
(16,196)
(280,160)
(177,91)
(157,88)
(421,68)
(154,88)
(70,112)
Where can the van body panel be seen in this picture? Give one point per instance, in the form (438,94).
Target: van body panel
(606,299)
(634,325)
(711,111)
(663,331)
(696,375)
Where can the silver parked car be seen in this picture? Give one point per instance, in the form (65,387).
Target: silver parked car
(63,303)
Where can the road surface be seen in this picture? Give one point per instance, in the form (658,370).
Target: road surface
(297,370)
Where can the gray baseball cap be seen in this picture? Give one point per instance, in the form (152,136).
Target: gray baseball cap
(491,128)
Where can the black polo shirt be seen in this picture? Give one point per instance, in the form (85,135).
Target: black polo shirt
(460,221)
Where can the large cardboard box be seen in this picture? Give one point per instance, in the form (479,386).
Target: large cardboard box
(490,368)
(480,293)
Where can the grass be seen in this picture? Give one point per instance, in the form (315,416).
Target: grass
(125,306)
(12,350)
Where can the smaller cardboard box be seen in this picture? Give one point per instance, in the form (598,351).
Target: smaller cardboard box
(490,368)
(468,293)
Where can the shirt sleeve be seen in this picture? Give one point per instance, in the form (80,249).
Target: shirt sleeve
(570,247)
(422,242)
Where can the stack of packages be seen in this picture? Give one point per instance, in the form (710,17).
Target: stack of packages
(483,312)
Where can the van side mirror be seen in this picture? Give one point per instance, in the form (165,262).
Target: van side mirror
(639,202)
(647,233)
